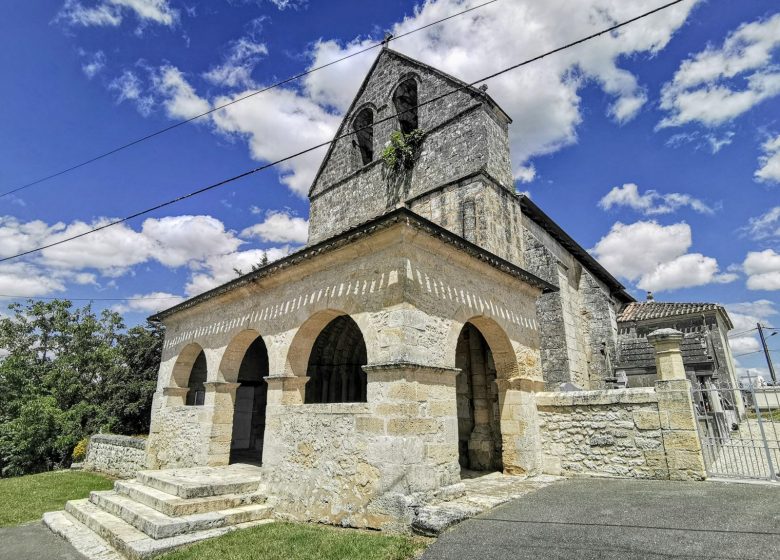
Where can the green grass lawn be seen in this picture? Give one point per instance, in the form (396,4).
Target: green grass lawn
(291,541)
(26,498)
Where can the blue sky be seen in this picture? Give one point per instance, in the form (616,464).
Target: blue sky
(658,148)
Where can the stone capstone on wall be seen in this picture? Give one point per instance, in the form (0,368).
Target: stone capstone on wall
(119,456)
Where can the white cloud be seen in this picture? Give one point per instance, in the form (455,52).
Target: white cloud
(94,65)
(111,12)
(236,68)
(297,123)
(26,280)
(179,240)
(222,268)
(280,227)
(703,89)
(769,172)
(651,202)
(765,226)
(148,303)
(656,257)
(763,270)
(180,99)
(128,87)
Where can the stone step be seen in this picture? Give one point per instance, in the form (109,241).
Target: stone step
(159,526)
(175,506)
(201,482)
(133,543)
(83,539)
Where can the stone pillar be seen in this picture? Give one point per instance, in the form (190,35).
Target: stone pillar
(675,408)
(413,429)
(218,407)
(283,391)
(521,442)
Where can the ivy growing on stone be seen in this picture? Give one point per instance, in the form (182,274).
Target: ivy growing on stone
(403,150)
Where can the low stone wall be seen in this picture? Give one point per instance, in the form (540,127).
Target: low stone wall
(602,433)
(119,456)
(178,438)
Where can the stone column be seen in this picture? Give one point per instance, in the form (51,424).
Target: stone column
(412,432)
(218,408)
(283,391)
(675,408)
(521,442)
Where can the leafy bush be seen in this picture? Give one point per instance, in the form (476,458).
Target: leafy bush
(402,150)
(80,451)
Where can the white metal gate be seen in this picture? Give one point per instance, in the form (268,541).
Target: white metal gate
(739,428)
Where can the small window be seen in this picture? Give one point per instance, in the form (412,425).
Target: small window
(197,390)
(363,126)
(405,102)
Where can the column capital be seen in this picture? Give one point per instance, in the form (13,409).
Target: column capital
(520,384)
(175,391)
(220,386)
(665,336)
(409,366)
(669,364)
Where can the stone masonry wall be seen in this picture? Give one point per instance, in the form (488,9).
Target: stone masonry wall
(119,456)
(464,135)
(602,433)
(177,438)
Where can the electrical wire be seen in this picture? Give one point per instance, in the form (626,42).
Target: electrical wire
(43,298)
(237,100)
(339,137)
(771,350)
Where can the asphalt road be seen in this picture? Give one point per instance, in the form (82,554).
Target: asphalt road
(623,519)
(34,541)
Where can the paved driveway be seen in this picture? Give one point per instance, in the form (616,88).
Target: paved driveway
(623,519)
(34,541)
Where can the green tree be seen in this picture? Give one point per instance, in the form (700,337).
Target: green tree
(68,373)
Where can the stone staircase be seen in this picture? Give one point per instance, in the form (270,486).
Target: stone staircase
(162,510)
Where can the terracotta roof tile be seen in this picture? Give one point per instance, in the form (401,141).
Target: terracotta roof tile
(645,310)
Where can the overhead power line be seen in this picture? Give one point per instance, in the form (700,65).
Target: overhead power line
(237,100)
(757,352)
(741,333)
(347,134)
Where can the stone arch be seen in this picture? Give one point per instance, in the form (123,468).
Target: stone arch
(405,101)
(180,375)
(363,127)
(501,347)
(234,354)
(335,367)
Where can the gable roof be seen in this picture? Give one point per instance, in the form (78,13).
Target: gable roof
(651,310)
(385,52)
(544,221)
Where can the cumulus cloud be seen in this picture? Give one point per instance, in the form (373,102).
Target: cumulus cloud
(763,270)
(111,13)
(201,244)
(706,87)
(298,123)
(769,172)
(280,227)
(656,257)
(651,202)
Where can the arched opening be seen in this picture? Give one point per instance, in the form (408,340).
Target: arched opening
(479,417)
(363,125)
(195,383)
(246,444)
(336,363)
(405,102)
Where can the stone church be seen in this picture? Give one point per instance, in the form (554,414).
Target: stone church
(425,328)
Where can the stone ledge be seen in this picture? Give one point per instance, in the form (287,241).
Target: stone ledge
(639,395)
(119,440)
(334,408)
